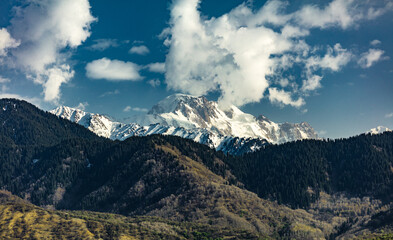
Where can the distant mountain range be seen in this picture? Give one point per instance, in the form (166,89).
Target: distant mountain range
(379,130)
(196,118)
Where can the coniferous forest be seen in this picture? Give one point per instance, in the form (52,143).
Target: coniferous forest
(56,164)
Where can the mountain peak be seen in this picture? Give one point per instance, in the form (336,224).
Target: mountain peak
(195,118)
(97,123)
(379,130)
(72,114)
(173,102)
(192,112)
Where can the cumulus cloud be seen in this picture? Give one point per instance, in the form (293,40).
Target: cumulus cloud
(54,78)
(6,42)
(291,31)
(374,12)
(220,54)
(375,42)
(389,115)
(156,67)
(334,59)
(135,109)
(282,97)
(44,29)
(154,82)
(4,80)
(239,53)
(103,44)
(113,70)
(283,82)
(369,58)
(140,50)
(312,83)
(337,13)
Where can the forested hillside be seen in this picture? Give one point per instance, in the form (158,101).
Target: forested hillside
(22,220)
(60,165)
(294,173)
(24,124)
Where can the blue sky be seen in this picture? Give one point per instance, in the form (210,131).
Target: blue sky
(325,62)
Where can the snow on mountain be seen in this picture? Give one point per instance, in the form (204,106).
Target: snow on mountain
(195,118)
(379,130)
(191,112)
(97,123)
(104,127)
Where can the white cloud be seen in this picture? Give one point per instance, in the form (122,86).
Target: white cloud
(127,109)
(156,67)
(282,97)
(45,29)
(337,13)
(220,54)
(334,59)
(6,42)
(369,58)
(373,13)
(270,13)
(238,53)
(113,70)
(154,82)
(55,77)
(312,83)
(389,115)
(82,106)
(135,109)
(4,80)
(140,50)
(291,31)
(322,133)
(284,82)
(109,93)
(375,42)
(103,44)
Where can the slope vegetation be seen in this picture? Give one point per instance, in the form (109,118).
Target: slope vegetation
(22,220)
(295,173)
(56,164)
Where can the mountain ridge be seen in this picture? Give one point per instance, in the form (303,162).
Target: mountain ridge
(197,112)
(379,130)
(198,119)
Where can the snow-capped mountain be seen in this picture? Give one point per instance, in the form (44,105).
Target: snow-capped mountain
(191,112)
(195,118)
(379,130)
(104,127)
